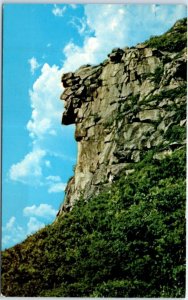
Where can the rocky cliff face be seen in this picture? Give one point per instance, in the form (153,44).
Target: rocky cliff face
(132,102)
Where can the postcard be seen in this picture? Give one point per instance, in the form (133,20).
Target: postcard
(93,150)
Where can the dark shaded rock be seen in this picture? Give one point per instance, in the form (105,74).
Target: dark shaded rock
(116,55)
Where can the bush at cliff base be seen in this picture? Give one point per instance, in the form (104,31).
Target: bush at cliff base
(129,241)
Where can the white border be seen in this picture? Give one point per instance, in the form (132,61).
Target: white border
(95,1)
(185,2)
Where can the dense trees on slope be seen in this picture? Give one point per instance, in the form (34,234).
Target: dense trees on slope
(128,241)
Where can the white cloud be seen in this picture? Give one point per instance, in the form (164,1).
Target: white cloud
(107,22)
(57,187)
(58,11)
(43,210)
(44,127)
(34,65)
(46,107)
(81,25)
(33,225)
(6,239)
(118,26)
(10,223)
(12,233)
(29,170)
(121,11)
(54,184)
(52,178)
(73,6)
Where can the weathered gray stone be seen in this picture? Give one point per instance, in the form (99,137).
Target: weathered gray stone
(149,115)
(115,169)
(67,76)
(80,91)
(165,103)
(162,155)
(80,133)
(141,46)
(143,68)
(161,126)
(135,156)
(109,138)
(116,55)
(183,122)
(132,76)
(148,52)
(65,95)
(136,130)
(115,122)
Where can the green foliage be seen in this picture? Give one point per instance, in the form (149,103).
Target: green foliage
(171,94)
(173,40)
(128,241)
(156,77)
(134,99)
(131,104)
(96,117)
(175,133)
(109,122)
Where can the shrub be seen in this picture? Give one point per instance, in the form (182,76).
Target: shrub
(173,40)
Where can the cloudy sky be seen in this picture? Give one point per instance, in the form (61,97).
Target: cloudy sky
(40,42)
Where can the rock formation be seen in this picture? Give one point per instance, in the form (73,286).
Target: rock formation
(122,107)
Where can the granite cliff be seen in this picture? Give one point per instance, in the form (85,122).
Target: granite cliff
(122,108)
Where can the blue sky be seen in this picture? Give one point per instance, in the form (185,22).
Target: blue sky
(40,42)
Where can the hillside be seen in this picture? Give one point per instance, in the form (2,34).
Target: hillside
(120,231)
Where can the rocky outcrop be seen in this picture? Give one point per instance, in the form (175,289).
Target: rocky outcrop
(132,102)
